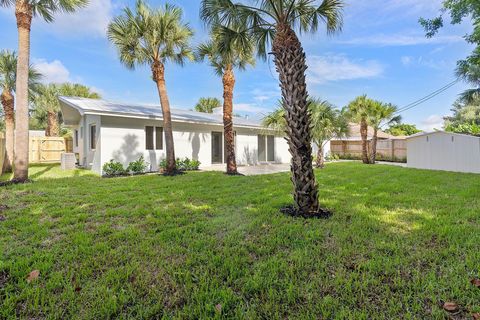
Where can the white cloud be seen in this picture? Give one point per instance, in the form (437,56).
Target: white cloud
(431,123)
(248,108)
(54,71)
(406,60)
(339,67)
(265,95)
(399,40)
(92,20)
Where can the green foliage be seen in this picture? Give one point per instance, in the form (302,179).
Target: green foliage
(113,168)
(263,17)
(47,8)
(327,121)
(207,104)
(402,129)
(464,128)
(465,111)
(147,35)
(8,73)
(182,164)
(45,99)
(138,167)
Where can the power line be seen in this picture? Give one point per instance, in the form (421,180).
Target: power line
(428,97)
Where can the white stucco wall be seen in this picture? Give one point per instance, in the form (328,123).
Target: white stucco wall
(123,139)
(444,151)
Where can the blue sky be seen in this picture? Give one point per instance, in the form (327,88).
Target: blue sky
(381,52)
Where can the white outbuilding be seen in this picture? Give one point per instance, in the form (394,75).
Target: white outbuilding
(446,151)
(105,130)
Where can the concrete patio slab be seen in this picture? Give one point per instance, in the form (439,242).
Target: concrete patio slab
(253,170)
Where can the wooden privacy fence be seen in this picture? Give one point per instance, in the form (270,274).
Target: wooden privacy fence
(2,151)
(388,150)
(48,149)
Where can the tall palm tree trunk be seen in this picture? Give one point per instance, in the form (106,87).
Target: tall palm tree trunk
(291,66)
(158,70)
(320,157)
(228,86)
(8,103)
(373,158)
(23,13)
(53,128)
(364,135)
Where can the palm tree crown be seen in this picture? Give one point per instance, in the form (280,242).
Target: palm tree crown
(148,36)
(263,19)
(47,8)
(8,72)
(207,105)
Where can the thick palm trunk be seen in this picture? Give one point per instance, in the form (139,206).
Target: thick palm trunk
(320,157)
(291,66)
(373,158)
(53,128)
(8,103)
(228,85)
(23,13)
(364,135)
(158,70)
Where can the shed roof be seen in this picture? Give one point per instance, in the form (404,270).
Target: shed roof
(142,111)
(421,134)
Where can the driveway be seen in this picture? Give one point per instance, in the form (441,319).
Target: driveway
(254,170)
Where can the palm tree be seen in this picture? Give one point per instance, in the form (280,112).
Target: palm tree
(327,123)
(358,111)
(273,22)
(154,37)
(380,114)
(8,72)
(47,107)
(207,105)
(228,48)
(25,10)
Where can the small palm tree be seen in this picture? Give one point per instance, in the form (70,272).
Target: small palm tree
(358,111)
(47,106)
(8,72)
(154,37)
(25,10)
(207,105)
(274,22)
(380,114)
(327,123)
(228,48)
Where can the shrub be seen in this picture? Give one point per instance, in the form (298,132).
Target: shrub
(138,167)
(113,168)
(182,164)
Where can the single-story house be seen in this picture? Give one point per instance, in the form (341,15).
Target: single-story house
(442,150)
(390,148)
(105,130)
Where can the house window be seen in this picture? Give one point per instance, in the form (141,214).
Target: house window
(149,138)
(153,138)
(158,138)
(93,137)
(81,132)
(76,137)
(266,148)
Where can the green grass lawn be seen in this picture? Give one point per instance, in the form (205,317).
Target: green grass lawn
(207,245)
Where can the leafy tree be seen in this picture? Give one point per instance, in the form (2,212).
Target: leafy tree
(229,48)
(460,10)
(358,111)
(402,129)
(380,114)
(327,123)
(25,10)
(8,75)
(465,111)
(154,37)
(207,105)
(464,128)
(47,106)
(275,23)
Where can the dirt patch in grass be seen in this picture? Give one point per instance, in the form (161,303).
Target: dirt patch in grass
(292,211)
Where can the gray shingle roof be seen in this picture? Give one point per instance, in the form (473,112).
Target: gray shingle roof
(94,106)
